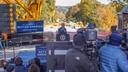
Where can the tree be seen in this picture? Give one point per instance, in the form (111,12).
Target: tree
(88,9)
(74,12)
(48,11)
(104,16)
(121,1)
(107,17)
(117,5)
(51,6)
(59,15)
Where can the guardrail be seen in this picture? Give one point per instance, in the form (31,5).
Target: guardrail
(5,44)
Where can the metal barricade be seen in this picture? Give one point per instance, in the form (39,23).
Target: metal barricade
(7,49)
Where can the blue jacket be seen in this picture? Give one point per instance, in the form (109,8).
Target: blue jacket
(113,59)
(62,30)
(20,68)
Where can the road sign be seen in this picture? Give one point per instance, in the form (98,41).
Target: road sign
(4,6)
(5,17)
(41,53)
(4,10)
(29,26)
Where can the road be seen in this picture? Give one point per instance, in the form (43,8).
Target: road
(10,52)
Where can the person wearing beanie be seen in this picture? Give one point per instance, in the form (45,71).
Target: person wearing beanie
(19,67)
(76,60)
(115,39)
(112,56)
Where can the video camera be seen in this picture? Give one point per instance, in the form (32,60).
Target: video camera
(90,35)
(90,48)
(90,32)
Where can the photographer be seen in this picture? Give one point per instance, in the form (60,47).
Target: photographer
(76,60)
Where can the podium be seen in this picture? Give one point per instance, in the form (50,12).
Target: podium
(62,37)
(56,52)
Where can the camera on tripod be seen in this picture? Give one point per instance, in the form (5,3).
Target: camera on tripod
(90,32)
(90,35)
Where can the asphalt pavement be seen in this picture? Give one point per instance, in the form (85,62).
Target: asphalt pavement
(10,52)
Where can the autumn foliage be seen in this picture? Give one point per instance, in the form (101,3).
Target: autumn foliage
(104,16)
(107,17)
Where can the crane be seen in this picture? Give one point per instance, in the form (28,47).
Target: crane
(31,8)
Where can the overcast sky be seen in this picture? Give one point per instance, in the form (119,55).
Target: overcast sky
(74,2)
(104,1)
(66,2)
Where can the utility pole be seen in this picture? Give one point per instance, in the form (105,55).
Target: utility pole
(11,17)
(12,22)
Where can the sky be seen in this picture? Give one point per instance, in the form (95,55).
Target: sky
(66,2)
(74,2)
(104,1)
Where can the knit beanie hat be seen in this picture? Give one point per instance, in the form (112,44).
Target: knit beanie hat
(115,39)
(79,39)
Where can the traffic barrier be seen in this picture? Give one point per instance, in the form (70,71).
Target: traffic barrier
(5,44)
(56,55)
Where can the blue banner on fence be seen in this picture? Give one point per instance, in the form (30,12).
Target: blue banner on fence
(41,53)
(29,26)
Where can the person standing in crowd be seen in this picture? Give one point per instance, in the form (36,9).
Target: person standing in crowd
(5,39)
(76,60)
(2,65)
(114,29)
(62,34)
(31,61)
(62,29)
(19,67)
(112,56)
(34,68)
(10,68)
(37,62)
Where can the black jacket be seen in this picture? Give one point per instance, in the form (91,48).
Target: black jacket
(77,61)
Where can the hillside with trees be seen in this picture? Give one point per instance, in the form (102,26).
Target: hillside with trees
(103,15)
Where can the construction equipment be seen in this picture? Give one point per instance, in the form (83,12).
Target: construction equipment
(27,9)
